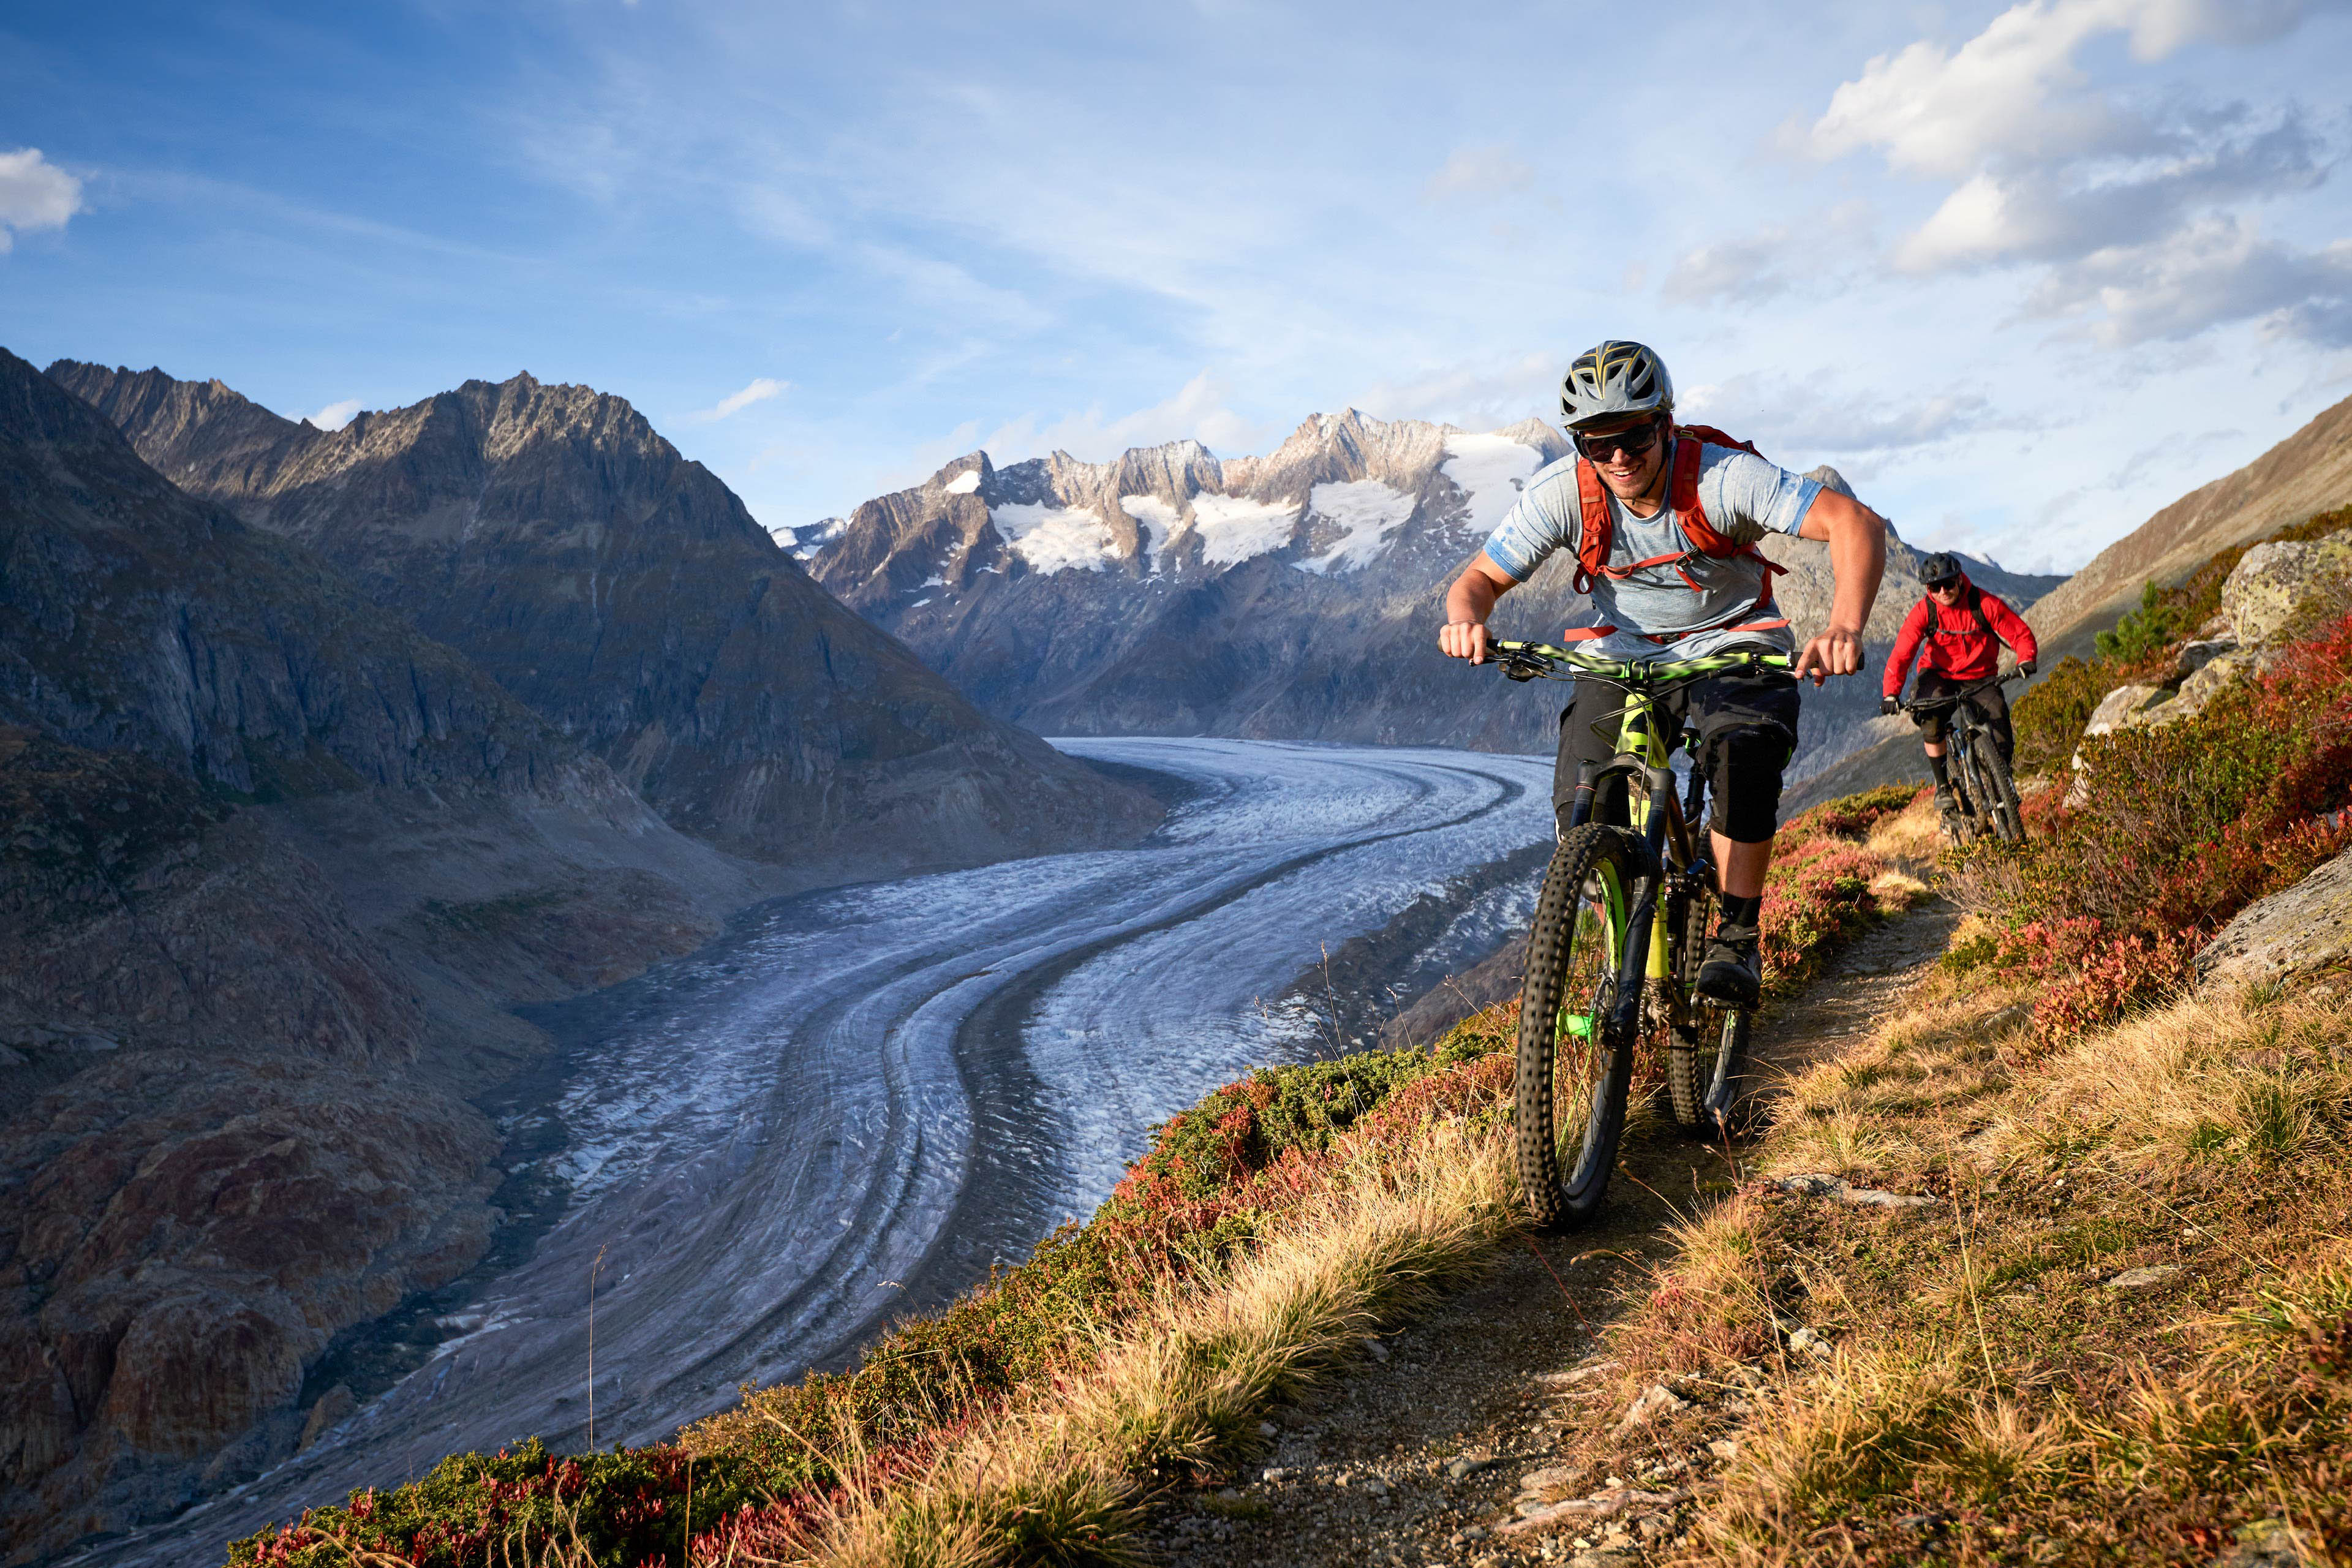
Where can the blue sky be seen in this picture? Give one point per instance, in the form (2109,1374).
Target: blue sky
(2024,273)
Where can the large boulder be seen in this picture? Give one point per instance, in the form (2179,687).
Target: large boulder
(2279,588)
(2303,930)
(2124,707)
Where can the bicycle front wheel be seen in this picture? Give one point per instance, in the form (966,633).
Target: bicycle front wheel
(2000,791)
(1577,1016)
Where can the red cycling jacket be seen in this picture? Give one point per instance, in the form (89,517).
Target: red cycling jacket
(1959,644)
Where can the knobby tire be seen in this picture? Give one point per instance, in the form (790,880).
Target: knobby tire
(1706,1065)
(1577,1025)
(2000,789)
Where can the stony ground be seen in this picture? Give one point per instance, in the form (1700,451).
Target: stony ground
(1436,1447)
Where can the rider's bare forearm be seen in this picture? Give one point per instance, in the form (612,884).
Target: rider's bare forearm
(1857,541)
(1468,603)
(1857,562)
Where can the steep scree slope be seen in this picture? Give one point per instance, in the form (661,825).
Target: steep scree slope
(622,591)
(1291,595)
(234,1040)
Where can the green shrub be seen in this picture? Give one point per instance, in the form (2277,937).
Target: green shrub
(2158,622)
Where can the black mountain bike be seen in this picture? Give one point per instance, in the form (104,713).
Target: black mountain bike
(1984,796)
(1614,952)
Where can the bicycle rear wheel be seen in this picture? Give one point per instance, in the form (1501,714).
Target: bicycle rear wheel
(1999,790)
(1690,1059)
(1577,1018)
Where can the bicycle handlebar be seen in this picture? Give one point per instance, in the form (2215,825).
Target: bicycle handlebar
(1953,699)
(1529,660)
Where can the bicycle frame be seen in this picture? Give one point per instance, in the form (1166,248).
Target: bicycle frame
(1671,848)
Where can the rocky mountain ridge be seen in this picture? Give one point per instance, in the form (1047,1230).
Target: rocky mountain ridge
(276,866)
(549,534)
(1292,595)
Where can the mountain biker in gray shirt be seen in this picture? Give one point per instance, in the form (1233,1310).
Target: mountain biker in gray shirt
(1658,596)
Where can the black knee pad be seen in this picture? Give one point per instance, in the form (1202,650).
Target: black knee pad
(1743,766)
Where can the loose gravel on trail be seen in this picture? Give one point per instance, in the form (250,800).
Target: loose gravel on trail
(1443,1434)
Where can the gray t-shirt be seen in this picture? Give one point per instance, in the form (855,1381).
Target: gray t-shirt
(1745,497)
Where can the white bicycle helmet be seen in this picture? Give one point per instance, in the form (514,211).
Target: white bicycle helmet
(1614,379)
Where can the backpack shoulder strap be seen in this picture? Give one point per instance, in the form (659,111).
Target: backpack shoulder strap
(1599,530)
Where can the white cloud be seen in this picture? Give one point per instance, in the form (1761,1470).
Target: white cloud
(1479,396)
(1479,172)
(2128,199)
(1731,269)
(2215,270)
(759,391)
(1198,410)
(34,194)
(2015,90)
(1795,421)
(334,416)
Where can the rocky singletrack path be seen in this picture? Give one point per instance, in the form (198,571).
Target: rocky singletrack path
(1416,1454)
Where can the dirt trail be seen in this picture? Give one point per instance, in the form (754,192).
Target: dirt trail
(1414,1454)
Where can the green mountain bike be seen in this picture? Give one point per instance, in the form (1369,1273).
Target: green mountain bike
(1613,956)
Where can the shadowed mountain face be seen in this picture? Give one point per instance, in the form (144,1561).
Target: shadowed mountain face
(275,867)
(1295,595)
(626,595)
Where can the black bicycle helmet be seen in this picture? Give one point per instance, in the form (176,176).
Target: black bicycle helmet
(1614,379)
(1939,568)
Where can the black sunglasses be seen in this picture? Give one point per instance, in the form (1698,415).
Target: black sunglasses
(1633,442)
(1940,584)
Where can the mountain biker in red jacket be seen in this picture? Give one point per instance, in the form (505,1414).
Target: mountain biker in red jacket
(1962,627)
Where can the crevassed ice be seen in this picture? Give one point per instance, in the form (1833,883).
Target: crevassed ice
(1366,512)
(1491,469)
(1156,518)
(1235,527)
(1052,538)
(964,484)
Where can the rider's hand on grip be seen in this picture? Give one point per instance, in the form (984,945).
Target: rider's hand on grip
(1889,706)
(1465,639)
(1834,652)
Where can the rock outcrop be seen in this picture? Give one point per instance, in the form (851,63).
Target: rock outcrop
(1292,595)
(2301,931)
(2278,590)
(275,867)
(625,593)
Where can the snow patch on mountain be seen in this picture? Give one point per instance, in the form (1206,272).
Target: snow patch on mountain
(805,541)
(1052,538)
(1156,518)
(1366,512)
(1235,527)
(1490,469)
(964,484)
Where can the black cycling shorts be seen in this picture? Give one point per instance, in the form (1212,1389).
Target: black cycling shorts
(1746,721)
(1991,706)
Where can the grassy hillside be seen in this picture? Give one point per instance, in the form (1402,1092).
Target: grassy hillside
(2120,1328)
(1269,1226)
(2051,1269)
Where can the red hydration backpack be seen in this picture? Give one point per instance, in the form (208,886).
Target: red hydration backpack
(1600,529)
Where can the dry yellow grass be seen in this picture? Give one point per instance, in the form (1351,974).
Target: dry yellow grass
(1911,838)
(1987,1379)
(1057,1478)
